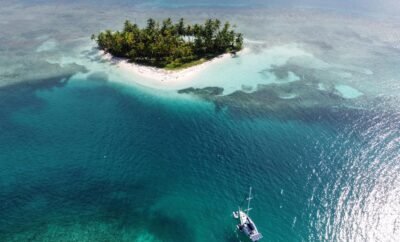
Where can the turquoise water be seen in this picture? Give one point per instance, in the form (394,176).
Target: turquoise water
(88,155)
(91,162)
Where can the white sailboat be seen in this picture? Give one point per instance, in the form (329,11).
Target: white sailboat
(246,225)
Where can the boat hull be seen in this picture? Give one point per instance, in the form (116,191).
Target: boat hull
(247,226)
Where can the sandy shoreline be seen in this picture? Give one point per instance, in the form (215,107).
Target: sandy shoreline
(160,78)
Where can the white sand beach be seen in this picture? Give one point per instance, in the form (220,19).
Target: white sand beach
(160,78)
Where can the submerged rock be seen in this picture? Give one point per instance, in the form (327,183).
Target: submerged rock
(203,92)
(293,100)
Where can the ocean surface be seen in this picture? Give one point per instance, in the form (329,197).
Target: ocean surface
(309,118)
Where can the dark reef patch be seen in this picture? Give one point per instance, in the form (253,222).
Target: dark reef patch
(35,75)
(203,92)
(22,95)
(92,202)
(300,100)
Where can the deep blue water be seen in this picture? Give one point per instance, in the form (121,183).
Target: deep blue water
(99,162)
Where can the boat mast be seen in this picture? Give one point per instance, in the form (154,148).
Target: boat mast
(248,202)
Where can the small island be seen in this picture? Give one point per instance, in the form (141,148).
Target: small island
(170,45)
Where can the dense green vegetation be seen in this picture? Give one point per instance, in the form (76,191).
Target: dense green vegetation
(171,45)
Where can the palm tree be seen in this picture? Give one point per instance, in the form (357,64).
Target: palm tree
(180,27)
(239,41)
(151,24)
(162,45)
